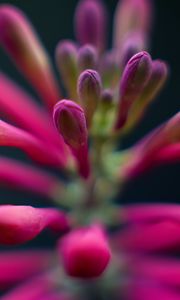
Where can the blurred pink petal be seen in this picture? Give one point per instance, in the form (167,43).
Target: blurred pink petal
(168,154)
(34,289)
(38,150)
(153,237)
(15,102)
(19,39)
(150,291)
(164,271)
(21,265)
(143,213)
(19,224)
(156,148)
(26,177)
(55,296)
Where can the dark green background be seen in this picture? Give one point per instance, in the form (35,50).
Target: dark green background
(54,21)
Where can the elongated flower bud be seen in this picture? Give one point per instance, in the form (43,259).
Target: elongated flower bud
(132,15)
(152,88)
(85,252)
(66,59)
(134,78)
(70,121)
(20,41)
(89,91)
(87,58)
(90,23)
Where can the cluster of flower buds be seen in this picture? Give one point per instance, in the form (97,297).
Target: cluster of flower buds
(107,93)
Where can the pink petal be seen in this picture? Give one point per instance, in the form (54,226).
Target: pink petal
(20,265)
(155,237)
(29,178)
(35,289)
(36,149)
(19,39)
(15,103)
(165,271)
(168,154)
(150,213)
(19,224)
(55,296)
(145,291)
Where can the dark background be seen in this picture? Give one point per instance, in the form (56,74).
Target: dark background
(53,20)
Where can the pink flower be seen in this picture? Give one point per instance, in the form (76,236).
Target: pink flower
(103,250)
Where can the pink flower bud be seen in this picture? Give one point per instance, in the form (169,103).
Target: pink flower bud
(89,91)
(70,121)
(19,39)
(155,83)
(85,252)
(66,59)
(87,58)
(90,23)
(134,78)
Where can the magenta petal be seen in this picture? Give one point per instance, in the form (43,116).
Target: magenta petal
(152,237)
(34,289)
(19,224)
(20,265)
(19,39)
(15,102)
(150,213)
(27,177)
(168,154)
(35,148)
(161,270)
(150,291)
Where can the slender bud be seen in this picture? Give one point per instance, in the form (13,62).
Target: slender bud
(87,58)
(134,78)
(154,85)
(85,252)
(90,23)
(132,15)
(89,91)
(66,59)
(70,121)
(19,39)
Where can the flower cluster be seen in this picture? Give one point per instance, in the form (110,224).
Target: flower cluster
(104,249)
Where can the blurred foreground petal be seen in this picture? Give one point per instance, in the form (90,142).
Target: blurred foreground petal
(20,224)
(19,39)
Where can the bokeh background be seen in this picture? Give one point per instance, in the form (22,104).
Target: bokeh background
(53,20)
